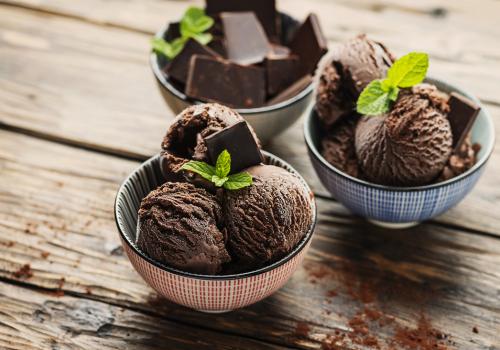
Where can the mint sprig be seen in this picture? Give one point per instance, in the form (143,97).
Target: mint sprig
(193,25)
(219,174)
(409,70)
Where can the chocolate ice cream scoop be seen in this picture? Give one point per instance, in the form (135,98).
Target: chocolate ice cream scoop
(266,220)
(410,145)
(338,146)
(185,139)
(347,70)
(180,226)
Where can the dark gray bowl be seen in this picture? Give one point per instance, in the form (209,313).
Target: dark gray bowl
(267,121)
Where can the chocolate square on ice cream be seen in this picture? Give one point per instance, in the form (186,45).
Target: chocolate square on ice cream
(246,41)
(239,142)
(309,44)
(463,113)
(217,80)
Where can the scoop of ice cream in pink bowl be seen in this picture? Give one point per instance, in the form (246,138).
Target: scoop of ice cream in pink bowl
(214,242)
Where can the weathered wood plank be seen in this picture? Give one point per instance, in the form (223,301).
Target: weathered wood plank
(30,319)
(79,82)
(56,215)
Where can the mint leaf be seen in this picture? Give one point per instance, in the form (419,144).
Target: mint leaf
(160,46)
(373,99)
(203,38)
(219,181)
(409,70)
(205,170)
(194,22)
(237,181)
(223,164)
(393,93)
(218,174)
(177,46)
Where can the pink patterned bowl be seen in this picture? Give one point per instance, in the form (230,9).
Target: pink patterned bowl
(220,293)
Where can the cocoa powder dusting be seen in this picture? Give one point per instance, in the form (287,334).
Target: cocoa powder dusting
(302,330)
(371,320)
(23,272)
(423,337)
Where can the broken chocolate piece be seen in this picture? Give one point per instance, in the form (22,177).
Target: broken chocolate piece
(292,90)
(265,10)
(216,80)
(173,31)
(463,113)
(219,46)
(246,41)
(279,51)
(179,66)
(239,142)
(281,73)
(309,44)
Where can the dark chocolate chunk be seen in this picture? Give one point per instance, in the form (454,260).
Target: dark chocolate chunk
(246,41)
(279,51)
(217,80)
(289,26)
(463,113)
(265,10)
(219,46)
(309,44)
(281,73)
(179,66)
(173,31)
(239,142)
(292,90)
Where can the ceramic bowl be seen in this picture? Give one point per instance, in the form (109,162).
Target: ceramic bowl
(267,121)
(219,293)
(400,207)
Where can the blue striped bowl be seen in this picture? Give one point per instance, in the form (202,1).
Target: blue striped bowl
(400,207)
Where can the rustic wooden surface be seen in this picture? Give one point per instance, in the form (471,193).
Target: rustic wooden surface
(79,109)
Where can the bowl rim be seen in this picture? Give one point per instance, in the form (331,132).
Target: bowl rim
(432,80)
(161,78)
(296,250)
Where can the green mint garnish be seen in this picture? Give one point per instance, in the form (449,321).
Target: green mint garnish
(407,71)
(219,174)
(193,25)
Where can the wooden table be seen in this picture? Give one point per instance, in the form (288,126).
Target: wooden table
(79,110)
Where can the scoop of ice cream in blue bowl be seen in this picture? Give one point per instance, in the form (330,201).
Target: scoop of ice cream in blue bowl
(391,145)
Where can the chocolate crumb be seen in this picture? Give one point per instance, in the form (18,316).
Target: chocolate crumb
(475,329)
(302,330)
(24,272)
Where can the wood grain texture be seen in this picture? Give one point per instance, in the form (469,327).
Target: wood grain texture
(30,319)
(60,222)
